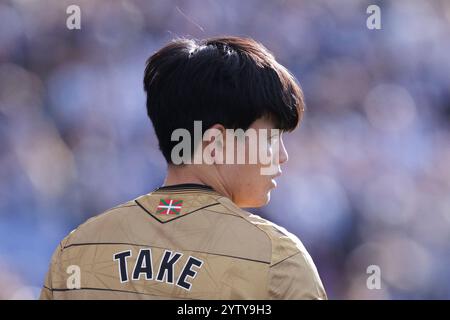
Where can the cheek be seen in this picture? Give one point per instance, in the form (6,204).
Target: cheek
(244,178)
(252,189)
(253,180)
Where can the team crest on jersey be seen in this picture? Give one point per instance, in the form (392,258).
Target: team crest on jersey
(169,206)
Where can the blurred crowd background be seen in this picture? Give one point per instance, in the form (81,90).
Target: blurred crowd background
(368,179)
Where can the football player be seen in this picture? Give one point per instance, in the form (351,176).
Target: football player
(191,238)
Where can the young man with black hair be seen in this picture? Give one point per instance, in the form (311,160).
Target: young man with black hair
(190,238)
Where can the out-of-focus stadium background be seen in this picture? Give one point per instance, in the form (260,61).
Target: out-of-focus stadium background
(368,180)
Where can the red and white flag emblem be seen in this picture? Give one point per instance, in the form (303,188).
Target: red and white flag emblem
(169,206)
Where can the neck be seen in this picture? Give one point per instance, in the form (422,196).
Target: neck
(195,174)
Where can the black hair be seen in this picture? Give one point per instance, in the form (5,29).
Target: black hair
(232,81)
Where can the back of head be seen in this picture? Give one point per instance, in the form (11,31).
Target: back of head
(232,81)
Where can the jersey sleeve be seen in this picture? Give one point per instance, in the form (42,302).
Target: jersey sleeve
(47,289)
(46,292)
(295,277)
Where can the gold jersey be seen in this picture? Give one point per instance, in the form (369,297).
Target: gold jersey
(181,242)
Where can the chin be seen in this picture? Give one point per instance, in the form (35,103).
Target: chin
(256,202)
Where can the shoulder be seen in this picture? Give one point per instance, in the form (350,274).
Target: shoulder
(282,243)
(292,272)
(101,226)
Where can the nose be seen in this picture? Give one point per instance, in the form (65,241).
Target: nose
(284,157)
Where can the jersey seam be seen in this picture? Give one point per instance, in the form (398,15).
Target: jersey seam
(112,290)
(67,238)
(147,245)
(293,255)
(253,224)
(163,222)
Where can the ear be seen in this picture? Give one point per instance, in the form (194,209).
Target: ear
(213,143)
(220,128)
